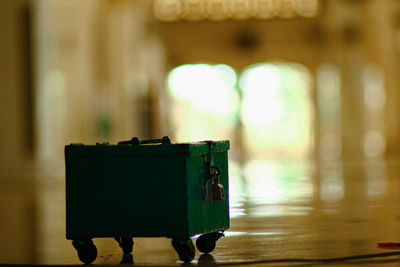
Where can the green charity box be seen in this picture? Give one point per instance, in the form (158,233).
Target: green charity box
(147,188)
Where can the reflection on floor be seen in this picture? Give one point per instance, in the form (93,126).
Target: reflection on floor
(281,214)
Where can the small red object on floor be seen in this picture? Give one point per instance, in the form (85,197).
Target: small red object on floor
(389,245)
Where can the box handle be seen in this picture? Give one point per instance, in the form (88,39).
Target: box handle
(136,141)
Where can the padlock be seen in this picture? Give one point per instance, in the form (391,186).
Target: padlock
(218,191)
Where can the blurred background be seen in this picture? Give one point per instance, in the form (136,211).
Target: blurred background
(291,80)
(284,80)
(299,87)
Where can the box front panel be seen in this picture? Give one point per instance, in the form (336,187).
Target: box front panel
(111,195)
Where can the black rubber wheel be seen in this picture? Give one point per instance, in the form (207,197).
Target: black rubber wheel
(185,249)
(127,259)
(206,243)
(87,251)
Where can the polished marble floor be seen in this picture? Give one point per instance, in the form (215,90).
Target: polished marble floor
(281,214)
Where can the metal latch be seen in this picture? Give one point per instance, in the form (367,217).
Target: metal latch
(214,189)
(136,141)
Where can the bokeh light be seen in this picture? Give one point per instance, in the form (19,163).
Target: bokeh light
(374,144)
(205,99)
(276,111)
(329,111)
(209,89)
(374,88)
(194,10)
(270,106)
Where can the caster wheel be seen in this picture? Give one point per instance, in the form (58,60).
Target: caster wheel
(127,259)
(126,243)
(206,243)
(87,251)
(185,249)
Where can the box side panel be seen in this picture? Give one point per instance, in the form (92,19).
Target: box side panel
(109,196)
(211,216)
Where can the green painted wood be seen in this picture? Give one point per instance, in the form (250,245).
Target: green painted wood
(211,216)
(142,190)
